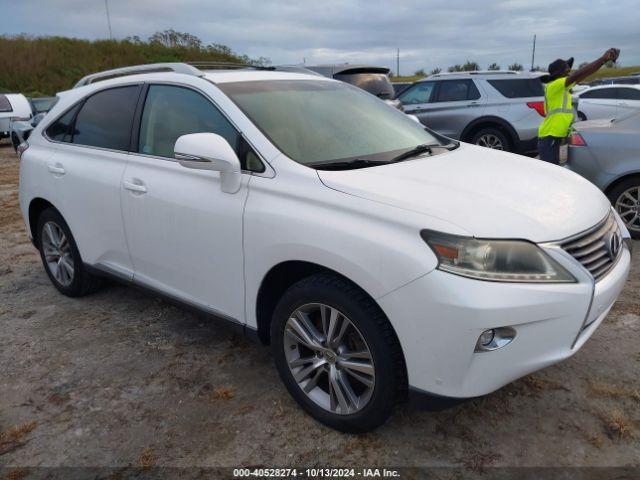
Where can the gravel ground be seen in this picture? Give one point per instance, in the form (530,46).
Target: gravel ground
(120,378)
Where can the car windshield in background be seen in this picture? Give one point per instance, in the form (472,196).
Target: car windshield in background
(44,104)
(5,104)
(519,88)
(377,84)
(315,121)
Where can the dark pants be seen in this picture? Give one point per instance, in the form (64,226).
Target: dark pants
(549,149)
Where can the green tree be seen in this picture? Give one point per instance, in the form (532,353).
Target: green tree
(420,73)
(455,68)
(493,66)
(435,71)
(516,67)
(470,66)
(172,39)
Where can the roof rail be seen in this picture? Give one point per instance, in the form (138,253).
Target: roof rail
(477,72)
(205,65)
(152,67)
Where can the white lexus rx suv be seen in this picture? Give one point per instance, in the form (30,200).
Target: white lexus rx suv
(375,256)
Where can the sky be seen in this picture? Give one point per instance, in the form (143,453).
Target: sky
(429,34)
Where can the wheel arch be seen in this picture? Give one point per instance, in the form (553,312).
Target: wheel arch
(618,180)
(37,205)
(490,122)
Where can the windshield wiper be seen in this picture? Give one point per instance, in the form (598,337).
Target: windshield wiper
(347,164)
(414,152)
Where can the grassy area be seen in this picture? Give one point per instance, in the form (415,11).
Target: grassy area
(46,65)
(602,73)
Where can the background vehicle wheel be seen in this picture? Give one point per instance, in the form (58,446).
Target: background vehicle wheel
(60,256)
(625,198)
(337,353)
(491,138)
(581,116)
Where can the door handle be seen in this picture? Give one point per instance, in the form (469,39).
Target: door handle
(135,187)
(56,169)
(472,104)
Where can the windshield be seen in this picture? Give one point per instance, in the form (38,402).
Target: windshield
(314,121)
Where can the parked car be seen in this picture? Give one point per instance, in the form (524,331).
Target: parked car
(12,106)
(20,129)
(500,110)
(399,87)
(375,257)
(606,152)
(633,79)
(374,80)
(608,101)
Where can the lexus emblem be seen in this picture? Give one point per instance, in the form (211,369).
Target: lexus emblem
(613,242)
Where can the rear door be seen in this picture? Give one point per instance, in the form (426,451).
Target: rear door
(599,103)
(92,141)
(454,104)
(628,100)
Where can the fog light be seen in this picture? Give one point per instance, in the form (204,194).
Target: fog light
(486,337)
(495,338)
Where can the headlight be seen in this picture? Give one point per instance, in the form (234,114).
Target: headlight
(496,260)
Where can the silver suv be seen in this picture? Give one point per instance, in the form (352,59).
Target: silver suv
(495,109)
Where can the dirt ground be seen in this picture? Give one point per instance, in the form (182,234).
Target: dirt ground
(120,378)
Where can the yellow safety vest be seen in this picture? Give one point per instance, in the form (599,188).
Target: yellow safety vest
(558,109)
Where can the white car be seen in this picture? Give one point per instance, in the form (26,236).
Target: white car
(375,257)
(13,106)
(608,101)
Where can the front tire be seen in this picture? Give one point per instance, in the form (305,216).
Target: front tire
(491,138)
(337,353)
(60,256)
(625,198)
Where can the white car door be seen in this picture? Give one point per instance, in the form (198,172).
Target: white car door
(92,140)
(184,233)
(599,103)
(628,100)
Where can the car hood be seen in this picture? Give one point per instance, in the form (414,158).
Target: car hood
(485,192)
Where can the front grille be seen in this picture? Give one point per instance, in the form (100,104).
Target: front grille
(597,249)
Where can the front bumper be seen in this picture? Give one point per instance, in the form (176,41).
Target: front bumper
(439,317)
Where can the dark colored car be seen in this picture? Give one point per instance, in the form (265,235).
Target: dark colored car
(374,80)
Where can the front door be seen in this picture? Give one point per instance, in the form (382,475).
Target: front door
(184,233)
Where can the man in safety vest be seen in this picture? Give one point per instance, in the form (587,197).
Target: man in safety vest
(557,102)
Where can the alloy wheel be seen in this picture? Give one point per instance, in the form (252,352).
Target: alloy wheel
(329,358)
(489,140)
(57,253)
(628,207)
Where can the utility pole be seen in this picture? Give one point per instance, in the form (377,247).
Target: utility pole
(398,62)
(533,53)
(106,6)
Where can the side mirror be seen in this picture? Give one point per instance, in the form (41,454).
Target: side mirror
(209,151)
(37,119)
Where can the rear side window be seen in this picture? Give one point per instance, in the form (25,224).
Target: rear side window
(61,129)
(105,119)
(601,93)
(456,90)
(520,88)
(629,94)
(418,93)
(5,104)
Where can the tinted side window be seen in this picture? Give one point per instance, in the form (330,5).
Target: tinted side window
(60,130)
(602,93)
(170,112)
(105,119)
(456,91)
(629,94)
(5,105)
(418,93)
(521,88)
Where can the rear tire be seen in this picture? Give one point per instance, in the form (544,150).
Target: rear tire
(368,340)
(621,196)
(493,138)
(60,256)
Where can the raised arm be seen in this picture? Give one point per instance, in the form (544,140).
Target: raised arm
(593,67)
